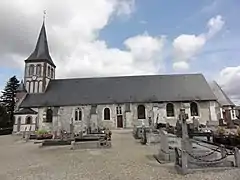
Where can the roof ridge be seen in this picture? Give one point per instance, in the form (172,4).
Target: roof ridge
(124,76)
(225,95)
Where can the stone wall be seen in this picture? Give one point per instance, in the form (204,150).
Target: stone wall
(130,117)
(62,116)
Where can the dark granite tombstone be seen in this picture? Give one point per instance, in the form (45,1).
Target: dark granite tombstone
(220,122)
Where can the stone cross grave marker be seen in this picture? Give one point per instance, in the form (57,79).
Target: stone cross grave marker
(72,128)
(164,146)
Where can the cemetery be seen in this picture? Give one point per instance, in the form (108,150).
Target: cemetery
(191,149)
(83,140)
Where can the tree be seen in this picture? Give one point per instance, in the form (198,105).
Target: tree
(8,97)
(4,118)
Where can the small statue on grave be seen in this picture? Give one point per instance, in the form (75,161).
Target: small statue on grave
(144,136)
(150,121)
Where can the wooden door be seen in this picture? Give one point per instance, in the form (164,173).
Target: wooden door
(120,121)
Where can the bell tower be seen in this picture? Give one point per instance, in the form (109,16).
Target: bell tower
(39,66)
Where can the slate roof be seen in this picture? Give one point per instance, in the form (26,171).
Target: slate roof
(41,51)
(221,96)
(123,89)
(26,111)
(21,87)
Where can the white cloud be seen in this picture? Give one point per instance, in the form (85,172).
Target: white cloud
(229,78)
(95,58)
(73,27)
(181,65)
(187,46)
(214,25)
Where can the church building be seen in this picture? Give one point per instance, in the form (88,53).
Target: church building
(44,102)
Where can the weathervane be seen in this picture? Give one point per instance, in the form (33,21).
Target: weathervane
(44,15)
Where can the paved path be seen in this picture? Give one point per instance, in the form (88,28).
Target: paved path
(127,160)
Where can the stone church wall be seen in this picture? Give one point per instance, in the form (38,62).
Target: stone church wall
(62,115)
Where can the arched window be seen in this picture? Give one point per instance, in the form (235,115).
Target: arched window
(141,112)
(106,114)
(31,70)
(28,120)
(194,109)
(78,115)
(49,115)
(48,71)
(39,69)
(170,110)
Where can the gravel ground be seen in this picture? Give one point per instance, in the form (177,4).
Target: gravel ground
(126,160)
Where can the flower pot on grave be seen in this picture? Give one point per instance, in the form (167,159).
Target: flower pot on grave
(218,139)
(224,140)
(47,136)
(232,140)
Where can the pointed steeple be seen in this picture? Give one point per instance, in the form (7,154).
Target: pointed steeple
(41,52)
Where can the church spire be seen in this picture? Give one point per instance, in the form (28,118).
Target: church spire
(41,51)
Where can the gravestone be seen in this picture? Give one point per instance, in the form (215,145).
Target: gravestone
(72,129)
(144,136)
(150,121)
(185,144)
(178,128)
(164,152)
(24,132)
(195,124)
(237,157)
(221,122)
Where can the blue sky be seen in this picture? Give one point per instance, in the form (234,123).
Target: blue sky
(172,18)
(154,18)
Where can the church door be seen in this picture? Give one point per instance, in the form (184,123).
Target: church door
(120,121)
(119,117)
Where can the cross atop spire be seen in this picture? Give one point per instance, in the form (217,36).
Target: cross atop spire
(44,15)
(41,52)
